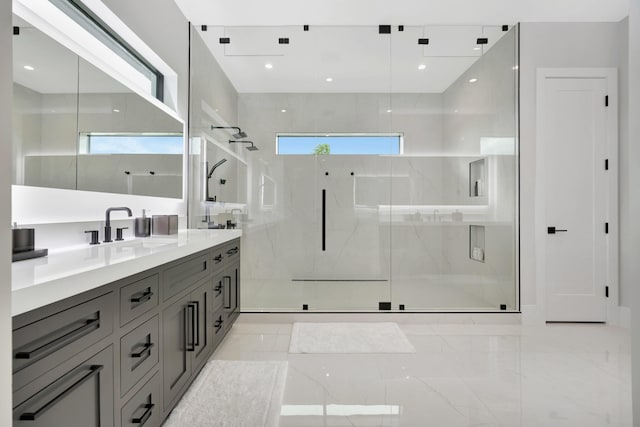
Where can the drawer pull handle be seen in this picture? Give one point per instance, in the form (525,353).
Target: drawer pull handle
(145,417)
(218,324)
(58,342)
(218,259)
(218,288)
(147,347)
(146,296)
(227,295)
(32,416)
(232,251)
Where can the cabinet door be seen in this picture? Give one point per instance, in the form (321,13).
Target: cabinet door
(82,396)
(176,359)
(201,320)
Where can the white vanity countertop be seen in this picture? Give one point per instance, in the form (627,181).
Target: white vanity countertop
(63,274)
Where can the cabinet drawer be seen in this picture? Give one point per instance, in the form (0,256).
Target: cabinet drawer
(81,396)
(218,257)
(45,343)
(218,292)
(232,251)
(144,409)
(219,326)
(139,352)
(187,273)
(137,298)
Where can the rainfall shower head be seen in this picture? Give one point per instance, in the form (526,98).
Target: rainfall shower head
(239,135)
(250,148)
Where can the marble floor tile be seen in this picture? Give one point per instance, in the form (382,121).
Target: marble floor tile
(475,374)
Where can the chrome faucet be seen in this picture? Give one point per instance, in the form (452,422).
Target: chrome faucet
(107,223)
(233,210)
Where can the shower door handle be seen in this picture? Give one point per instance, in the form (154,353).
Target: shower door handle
(553,230)
(324,219)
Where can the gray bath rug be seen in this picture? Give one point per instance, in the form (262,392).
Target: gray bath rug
(349,338)
(230,393)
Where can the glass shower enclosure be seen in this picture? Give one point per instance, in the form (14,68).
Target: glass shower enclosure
(427,224)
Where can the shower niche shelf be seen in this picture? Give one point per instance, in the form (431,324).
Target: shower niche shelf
(478,178)
(476,243)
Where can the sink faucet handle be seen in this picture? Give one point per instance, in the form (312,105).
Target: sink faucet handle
(119,233)
(95,240)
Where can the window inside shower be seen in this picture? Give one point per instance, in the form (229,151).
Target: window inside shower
(339,144)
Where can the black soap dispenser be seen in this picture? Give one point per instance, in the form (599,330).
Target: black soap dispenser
(142,226)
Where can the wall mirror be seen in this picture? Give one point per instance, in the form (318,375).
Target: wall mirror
(75,127)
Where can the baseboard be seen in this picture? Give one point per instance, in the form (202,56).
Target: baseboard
(532,315)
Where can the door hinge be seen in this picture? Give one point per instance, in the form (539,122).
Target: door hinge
(606,164)
(606,228)
(606,291)
(606,101)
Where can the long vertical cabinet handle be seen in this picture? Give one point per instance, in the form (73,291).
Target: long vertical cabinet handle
(196,316)
(324,219)
(227,294)
(191,346)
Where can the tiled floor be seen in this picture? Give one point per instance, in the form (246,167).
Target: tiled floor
(461,375)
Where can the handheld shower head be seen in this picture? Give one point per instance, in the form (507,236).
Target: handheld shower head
(250,148)
(214,168)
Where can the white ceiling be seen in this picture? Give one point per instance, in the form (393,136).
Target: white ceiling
(343,42)
(406,12)
(357,58)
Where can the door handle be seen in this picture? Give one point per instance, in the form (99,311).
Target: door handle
(227,295)
(553,230)
(324,219)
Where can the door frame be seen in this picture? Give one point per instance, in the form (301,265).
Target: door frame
(611,267)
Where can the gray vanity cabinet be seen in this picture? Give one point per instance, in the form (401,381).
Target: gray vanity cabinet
(188,337)
(176,359)
(80,396)
(231,292)
(123,354)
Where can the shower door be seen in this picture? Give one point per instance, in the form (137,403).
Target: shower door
(347,235)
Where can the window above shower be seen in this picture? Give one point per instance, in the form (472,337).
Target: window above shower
(339,144)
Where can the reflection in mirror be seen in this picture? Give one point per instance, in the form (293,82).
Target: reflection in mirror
(76,127)
(45,103)
(126,145)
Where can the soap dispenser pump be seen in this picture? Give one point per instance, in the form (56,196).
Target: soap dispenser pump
(142,226)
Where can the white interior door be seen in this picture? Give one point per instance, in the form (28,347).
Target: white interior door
(573,131)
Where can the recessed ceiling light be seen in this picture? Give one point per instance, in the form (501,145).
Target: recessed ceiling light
(283,111)
(473,80)
(115,110)
(388,111)
(29,68)
(268,65)
(515,67)
(329,79)
(476,48)
(421,67)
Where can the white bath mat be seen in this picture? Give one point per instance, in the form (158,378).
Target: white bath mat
(230,393)
(349,338)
